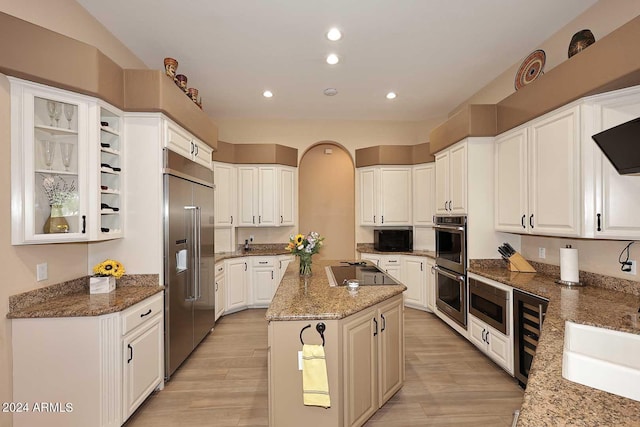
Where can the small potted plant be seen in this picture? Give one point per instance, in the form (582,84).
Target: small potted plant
(105,275)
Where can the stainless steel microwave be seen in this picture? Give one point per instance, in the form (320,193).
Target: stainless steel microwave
(393,240)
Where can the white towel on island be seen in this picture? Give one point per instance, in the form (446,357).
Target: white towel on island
(315,383)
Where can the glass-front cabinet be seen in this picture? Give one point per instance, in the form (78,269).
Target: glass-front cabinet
(65,166)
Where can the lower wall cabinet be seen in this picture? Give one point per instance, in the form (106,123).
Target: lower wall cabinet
(263,280)
(91,371)
(493,343)
(220,300)
(236,281)
(412,271)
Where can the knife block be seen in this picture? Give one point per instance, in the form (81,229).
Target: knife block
(518,263)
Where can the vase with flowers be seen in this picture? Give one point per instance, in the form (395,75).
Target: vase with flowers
(304,247)
(58,192)
(105,275)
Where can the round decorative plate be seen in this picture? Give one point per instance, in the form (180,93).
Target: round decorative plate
(530,69)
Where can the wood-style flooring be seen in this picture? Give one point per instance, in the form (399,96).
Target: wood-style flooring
(224,382)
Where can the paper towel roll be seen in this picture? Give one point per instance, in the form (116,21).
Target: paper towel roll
(569,265)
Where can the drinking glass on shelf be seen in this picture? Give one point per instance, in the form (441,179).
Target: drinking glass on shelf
(66,149)
(48,149)
(68,113)
(51,109)
(56,113)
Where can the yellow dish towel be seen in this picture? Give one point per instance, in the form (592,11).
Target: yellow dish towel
(315,384)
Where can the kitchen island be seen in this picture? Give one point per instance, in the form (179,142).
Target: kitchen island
(363,341)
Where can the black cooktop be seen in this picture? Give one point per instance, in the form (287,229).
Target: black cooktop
(365,272)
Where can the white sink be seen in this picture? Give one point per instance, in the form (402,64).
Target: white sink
(603,359)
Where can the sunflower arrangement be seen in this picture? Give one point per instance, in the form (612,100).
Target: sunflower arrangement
(109,267)
(304,247)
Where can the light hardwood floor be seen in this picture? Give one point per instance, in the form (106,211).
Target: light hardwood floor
(224,382)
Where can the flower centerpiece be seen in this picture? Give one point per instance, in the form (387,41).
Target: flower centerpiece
(58,192)
(105,275)
(304,247)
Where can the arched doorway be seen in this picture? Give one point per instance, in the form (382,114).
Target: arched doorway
(326,198)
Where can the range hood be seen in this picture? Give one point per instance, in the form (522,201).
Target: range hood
(621,145)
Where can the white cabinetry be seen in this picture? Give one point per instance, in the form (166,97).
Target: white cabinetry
(257,196)
(220,290)
(236,284)
(615,214)
(142,349)
(98,368)
(182,142)
(451,179)
(224,175)
(264,280)
(57,138)
(493,343)
(287,192)
(283,263)
(424,185)
(391,264)
(385,195)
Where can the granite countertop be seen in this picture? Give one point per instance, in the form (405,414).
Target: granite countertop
(300,299)
(549,399)
(368,248)
(258,249)
(72,298)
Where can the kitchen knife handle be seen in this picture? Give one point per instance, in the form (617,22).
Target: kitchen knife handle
(531,220)
(522,221)
(599,228)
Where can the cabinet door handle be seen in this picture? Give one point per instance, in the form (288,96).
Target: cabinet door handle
(197,149)
(384,323)
(382,219)
(253,219)
(374,219)
(376,330)
(445,206)
(271,274)
(231,219)
(146,314)
(84,224)
(245,266)
(216,286)
(599,228)
(487,337)
(392,260)
(522,221)
(263,262)
(531,220)
(421,269)
(483,335)
(192,147)
(130,353)
(259,219)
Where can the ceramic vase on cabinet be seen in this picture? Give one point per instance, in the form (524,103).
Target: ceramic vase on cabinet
(56,223)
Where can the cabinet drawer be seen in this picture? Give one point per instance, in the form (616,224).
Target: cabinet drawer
(141,313)
(219,269)
(264,262)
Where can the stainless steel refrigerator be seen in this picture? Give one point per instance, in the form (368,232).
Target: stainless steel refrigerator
(188,257)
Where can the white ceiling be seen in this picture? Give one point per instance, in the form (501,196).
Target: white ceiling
(433,53)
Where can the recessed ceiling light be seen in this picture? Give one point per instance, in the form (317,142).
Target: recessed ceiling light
(391,95)
(267,94)
(331,91)
(332,59)
(334,34)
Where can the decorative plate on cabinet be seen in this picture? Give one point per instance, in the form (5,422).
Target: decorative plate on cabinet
(530,69)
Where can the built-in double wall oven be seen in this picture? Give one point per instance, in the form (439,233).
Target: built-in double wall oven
(451,267)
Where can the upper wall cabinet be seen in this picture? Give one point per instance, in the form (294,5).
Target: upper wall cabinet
(385,195)
(224,177)
(537,176)
(185,144)
(451,180)
(266,196)
(66,158)
(552,179)
(424,185)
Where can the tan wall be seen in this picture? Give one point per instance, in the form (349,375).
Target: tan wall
(602,18)
(65,261)
(326,199)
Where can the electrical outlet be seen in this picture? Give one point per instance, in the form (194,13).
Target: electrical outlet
(542,253)
(632,271)
(42,272)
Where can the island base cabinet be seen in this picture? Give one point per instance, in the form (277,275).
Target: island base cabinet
(286,407)
(365,366)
